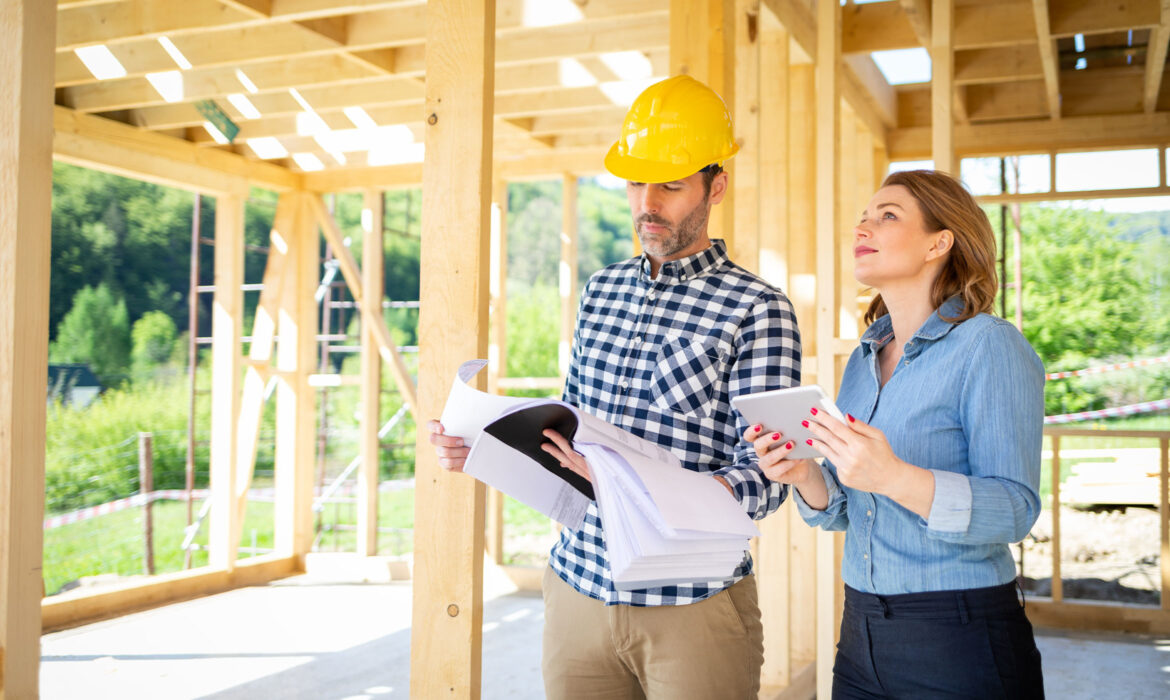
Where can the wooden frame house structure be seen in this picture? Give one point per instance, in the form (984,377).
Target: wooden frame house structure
(307,97)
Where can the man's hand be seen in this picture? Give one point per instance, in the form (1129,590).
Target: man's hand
(450,449)
(564,453)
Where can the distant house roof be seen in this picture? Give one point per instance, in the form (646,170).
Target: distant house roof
(67,378)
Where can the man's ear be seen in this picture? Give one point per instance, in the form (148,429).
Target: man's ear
(718,187)
(943,240)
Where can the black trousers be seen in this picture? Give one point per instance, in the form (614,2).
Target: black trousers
(974,643)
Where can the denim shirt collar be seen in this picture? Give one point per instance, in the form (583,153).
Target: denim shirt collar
(882,330)
(673,271)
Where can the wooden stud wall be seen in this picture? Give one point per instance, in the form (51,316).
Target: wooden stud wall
(453,327)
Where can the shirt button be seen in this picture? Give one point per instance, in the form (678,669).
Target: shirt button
(624,385)
(869,513)
(865,556)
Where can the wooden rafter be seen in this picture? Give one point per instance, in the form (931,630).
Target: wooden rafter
(1156,59)
(1048,57)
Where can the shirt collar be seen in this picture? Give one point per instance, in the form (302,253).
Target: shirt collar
(882,330)
(683,269)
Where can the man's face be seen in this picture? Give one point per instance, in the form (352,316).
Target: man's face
(671,217)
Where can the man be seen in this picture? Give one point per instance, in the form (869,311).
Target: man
(663,341)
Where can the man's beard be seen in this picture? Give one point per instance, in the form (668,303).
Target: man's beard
(679,237)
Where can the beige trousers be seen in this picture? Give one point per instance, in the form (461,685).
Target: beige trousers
(710,650)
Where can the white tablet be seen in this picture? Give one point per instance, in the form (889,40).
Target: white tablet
(782,410)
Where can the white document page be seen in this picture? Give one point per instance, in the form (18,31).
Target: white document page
(468,409)
(503,468)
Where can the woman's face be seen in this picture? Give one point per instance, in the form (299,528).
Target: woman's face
(891,243)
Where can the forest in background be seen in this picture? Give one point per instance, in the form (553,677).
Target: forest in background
(1095,291)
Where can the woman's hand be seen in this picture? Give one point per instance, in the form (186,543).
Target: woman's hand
(450,449)
(866,462)
(564,453)
(772,448)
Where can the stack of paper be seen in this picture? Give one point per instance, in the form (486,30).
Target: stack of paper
(664,524)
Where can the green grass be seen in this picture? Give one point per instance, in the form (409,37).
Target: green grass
(1103,442)
(114,543)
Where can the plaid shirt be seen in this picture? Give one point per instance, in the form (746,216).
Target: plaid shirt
(662,358)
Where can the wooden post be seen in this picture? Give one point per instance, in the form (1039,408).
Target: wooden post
(748,128)
(371,421)
(942,87)
(145,488)
(1164,513)
(568,270)
(828,108)
(296,359)
(446,643)
(27,37)
(702,45)
(774,161)
(1057,587)
(227,313)
(497,349)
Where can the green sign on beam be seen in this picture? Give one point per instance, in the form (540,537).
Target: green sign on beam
(219,119)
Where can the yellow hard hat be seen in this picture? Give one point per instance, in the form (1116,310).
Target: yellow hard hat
(674,129)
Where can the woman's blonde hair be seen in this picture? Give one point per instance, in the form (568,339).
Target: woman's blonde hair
(969,270)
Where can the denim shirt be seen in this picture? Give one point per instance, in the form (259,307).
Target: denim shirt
(966,402)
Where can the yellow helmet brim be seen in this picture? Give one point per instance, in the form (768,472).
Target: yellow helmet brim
(640,170)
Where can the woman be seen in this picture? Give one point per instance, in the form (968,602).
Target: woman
(937,465)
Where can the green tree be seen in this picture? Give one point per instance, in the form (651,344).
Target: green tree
(153,342)
(96,331)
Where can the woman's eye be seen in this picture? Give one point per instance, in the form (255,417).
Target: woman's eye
(889,215)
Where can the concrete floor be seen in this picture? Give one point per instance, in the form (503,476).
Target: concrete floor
(322,637)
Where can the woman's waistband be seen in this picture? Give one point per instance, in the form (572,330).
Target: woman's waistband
(958,604)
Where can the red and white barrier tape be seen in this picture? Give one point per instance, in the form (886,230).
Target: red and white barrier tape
(139,499)
(1109,368)
(1130,410)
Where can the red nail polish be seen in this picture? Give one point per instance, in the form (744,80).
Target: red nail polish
(758,428)
(850,417)
(809,442)
(814,411)
(804,423)
(775,436)
(789,446)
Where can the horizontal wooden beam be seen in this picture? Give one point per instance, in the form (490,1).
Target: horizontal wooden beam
(1102,91)
(74,608)
(1003,64)
(885,26)
(1015,137)
(1000,101)
(110,146)
(1074,195)
(1071,17)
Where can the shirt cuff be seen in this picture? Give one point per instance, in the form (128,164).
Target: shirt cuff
(951,509)
(811,515)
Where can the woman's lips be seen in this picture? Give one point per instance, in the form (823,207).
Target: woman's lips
(862,250)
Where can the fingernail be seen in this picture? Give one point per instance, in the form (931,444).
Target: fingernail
(850,417)
(758,428)
(804,423)
(775,436)
(814,411)
(789,446)
(809,442)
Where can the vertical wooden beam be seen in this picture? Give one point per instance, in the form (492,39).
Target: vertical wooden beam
(802,254)
(942,87)
(27,31)
(227,312)
(828,108)
(498,346)
(567,271)
(1164,517)
(774,154)
(373,285)
(747,93)
(447,638)
(1049,56)
(1057,584)
(1156,60)
(702,45)
(296,401)
(847,176)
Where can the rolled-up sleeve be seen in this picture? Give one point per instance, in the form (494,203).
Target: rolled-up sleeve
(1002,414)
(767,356)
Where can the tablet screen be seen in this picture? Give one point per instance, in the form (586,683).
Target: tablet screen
(782,410)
